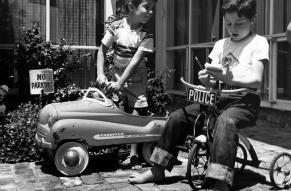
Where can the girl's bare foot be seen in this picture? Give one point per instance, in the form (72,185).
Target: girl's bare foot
(155,174)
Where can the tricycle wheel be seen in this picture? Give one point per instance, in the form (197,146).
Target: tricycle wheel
(280,169)
(241,157)
(71,158)
(147,150)
(197,166)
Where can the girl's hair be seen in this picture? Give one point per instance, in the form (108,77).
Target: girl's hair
(245,8)
(134,2)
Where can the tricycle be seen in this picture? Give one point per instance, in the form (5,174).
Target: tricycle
(68,131)
(200,152)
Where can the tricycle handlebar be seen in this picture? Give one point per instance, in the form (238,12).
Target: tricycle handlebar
(200,87)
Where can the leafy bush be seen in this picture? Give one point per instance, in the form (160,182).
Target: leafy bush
(68,93)
(18,129)
(158,99)
(17,135)
(35,53)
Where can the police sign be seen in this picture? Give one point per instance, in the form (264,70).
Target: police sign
(41,80)
(201,97)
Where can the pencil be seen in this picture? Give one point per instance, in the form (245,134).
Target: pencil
(198,62)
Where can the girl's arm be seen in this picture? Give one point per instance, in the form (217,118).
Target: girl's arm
(100,64)
(138,56)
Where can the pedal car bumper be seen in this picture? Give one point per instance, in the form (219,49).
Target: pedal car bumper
(41,137)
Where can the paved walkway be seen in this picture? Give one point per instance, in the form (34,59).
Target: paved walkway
(105,174)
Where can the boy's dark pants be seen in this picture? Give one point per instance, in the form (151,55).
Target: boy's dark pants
(239,112)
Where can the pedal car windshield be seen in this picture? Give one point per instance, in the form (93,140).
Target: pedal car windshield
(94,94)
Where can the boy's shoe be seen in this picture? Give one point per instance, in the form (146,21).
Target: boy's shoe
(132,161)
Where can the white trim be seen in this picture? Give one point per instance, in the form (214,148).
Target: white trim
(109,8)
(176,47)
(279,105)
(7,46)
(271,17)
(161,35)
(47,21)
(189,55)
(273,71)
(77,47)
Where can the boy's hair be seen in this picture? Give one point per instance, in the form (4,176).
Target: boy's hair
(245,8)
(134,2)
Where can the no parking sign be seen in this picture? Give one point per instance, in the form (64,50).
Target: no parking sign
(41,80)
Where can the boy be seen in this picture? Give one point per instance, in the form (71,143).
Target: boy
(242,56)
(131,41)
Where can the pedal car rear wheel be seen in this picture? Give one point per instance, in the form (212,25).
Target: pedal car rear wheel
(197,166)
(241,156)
(280,170)
(71,158)
(147,150)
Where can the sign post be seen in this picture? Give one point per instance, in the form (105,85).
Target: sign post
(41,81)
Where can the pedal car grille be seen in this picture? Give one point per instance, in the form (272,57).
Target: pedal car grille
(42,131)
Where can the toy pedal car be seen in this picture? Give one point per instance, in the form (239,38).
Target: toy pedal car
(67,131)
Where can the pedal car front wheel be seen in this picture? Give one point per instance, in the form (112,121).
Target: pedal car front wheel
(280,170)
(71,158)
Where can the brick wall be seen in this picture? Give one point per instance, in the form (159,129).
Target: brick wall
(276,117)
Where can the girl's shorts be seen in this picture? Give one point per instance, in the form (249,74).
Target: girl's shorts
(135,86)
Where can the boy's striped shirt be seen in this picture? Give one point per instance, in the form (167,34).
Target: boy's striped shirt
(126,42)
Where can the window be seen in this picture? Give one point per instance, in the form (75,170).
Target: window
(79,22)
(192,26)
(282,15)
(283,71)
(16,14)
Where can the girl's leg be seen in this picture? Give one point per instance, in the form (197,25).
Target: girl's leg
(133,158)
(164,155)
(155,174)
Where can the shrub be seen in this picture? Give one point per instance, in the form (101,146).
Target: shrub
(35,53)
(158,99)
(68,93)
(17,135)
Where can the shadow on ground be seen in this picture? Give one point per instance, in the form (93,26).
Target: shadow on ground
(103,163)
(270,134)
(247,179)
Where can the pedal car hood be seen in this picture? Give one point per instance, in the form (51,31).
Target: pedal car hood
(73,109)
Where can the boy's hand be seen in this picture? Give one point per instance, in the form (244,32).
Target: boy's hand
(225,76)
(101,78)
(114,86)
(204,78)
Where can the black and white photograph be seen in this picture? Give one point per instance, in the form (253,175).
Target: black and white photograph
(118,95)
